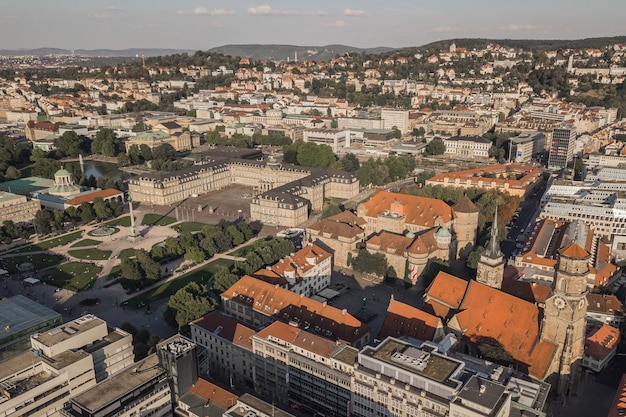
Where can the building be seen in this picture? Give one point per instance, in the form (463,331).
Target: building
(339,235)
(336,139)
(490,267)
(228,343)
(256,303)
(142,389)
(205,399)
(467,147)
(526,146)
(512,178)
(250,406)
(394,119)
(562,146)
(600,346)
(618,406)
(17,208)
(403,320)
(178,139)
(305,272)
(605,309)
(20,317)
(110,349)
(35,131)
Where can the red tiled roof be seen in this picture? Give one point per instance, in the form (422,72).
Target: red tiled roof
(211,392)
(229,328)
(88,198)
(601,341)
(420,211)
(529,291)
(573,250)
(447,289)
(286,306)
(297,337)
(405,320)
(618,407)
(487,313)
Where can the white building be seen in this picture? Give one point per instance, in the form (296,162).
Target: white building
(526,146)
(336,139)
(467,147)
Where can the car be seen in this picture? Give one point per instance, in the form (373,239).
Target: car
(522,230)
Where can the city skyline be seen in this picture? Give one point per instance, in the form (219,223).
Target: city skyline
(365,24)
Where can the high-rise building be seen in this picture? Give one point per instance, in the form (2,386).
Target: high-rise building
(562,147)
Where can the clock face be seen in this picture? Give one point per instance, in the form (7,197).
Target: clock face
(559,303)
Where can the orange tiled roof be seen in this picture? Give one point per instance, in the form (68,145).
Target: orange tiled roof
(465,205)
(88,198)
(605,304)
(477,174)
(229,328)
(618,407)
(211,392)
(286,306)
(447,289)
(297,337)
(405,320)
(573,250)
(531,292)
(302,261)
(602,339)
(514,323)
(420,211)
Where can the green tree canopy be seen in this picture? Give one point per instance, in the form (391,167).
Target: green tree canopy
(187,304)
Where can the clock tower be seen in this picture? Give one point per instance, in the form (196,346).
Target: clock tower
(490,268)
(564,317)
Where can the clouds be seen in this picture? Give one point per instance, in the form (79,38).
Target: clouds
(524,27)
(266,10)
(207,12)
(446,29)
(338,24)
(353,12)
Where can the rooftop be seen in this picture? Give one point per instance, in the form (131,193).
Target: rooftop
(482,392)
(113,388)
(68,330)
(19,313)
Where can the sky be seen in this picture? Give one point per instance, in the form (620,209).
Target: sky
(204,24)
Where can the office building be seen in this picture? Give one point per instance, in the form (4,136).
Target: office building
(526,146)
(562,146)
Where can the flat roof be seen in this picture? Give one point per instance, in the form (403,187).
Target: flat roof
(482,392)
(69,330)
(27,185)
(120,384)
(4,196)
(19,313)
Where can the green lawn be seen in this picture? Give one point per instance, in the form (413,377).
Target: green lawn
(40,261)
(189,227)
(85,242)
(157,220)
(201,275)
(122,221)
(90,254)
(243,251)
(50,243)
(127,253)
(74,276)
(116,273)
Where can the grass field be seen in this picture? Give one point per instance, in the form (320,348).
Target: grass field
(122,221)
(189,227)
(116,273)
(152,219)
(74,276)
(85,242)
(39,262)
(50,243)
(202,276)
(243,251)
(90,254)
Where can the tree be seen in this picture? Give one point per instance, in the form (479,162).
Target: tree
(235,234)
(195,254)
(86,211)
(313,155)
(105,143)
(150,268)
(130,269)
(70,144)
(436,147)
(42,221)
(187,304)
(12,173)
(223,279)
(370,263)
(330,210)
(101,209)
(164,152)
(246,230)
(474,257)
(349,162)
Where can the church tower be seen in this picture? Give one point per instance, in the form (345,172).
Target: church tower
(465,226)
(564,317)
(490,269)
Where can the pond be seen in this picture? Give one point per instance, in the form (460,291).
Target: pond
(103,169)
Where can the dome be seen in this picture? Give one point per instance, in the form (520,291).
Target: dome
(62,173)
(443,232)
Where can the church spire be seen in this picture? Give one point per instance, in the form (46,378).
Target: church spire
(492,250)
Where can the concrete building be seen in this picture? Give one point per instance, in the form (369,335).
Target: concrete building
(142,389)
(392,118)
(17,208)
(334,138)
(20,317)
(526,146)
(467,147)
(562,146)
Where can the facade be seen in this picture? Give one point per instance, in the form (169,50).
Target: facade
(179,140)
(258,303)
(467,147)
(526,146)
(17,208)
(142,389)
(514,179)
(339,235)
(110,349)
(562,146)
(287,193)
(392,118)
(600,346)
(336,139)
(21,318)
(490,268)
(305,272)
(228,343)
